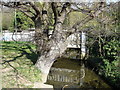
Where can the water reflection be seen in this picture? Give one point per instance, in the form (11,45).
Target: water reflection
(72,73)
(63,75)
(82,73)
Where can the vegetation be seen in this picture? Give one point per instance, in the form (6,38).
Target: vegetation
(23,22)
(53,15)
(105,47)
(110,68)
(99,20)
(18,21)
(18,65)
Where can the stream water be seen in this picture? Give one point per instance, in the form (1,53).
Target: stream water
(73,73)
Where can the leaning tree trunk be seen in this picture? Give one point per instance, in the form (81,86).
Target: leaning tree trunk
(57,45)
(45,61)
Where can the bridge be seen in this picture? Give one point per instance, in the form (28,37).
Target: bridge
(74,39)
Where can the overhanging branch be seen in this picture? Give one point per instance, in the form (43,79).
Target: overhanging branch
(26,13)
(54,11)
(34,7)
(89,17)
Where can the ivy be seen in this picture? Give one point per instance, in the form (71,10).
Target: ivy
(112,49)
(110,68)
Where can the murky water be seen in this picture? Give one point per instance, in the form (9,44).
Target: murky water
(72,73)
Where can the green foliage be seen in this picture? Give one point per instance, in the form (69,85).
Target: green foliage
(20,22)
(111,62)
(110,70)
(75,17)
(112,49)
(23,22)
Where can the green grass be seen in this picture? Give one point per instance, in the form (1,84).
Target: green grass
(18,69)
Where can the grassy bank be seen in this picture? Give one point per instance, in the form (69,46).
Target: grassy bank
(18,70)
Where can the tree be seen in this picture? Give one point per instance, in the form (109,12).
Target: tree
(52,15)
(104,29)
(23,22)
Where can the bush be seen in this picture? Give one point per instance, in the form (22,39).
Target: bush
(110,68)
(112,50)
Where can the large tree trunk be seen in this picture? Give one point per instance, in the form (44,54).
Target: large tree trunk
(45,61)
(56,46)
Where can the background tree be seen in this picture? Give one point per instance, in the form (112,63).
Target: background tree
(104,44)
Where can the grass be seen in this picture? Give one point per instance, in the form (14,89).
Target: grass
(18,69)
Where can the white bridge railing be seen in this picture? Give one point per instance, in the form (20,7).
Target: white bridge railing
(76,40)
(17,36)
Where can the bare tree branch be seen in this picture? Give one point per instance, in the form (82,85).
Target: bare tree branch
(26,13)
(54,9)
(24,7)
(34,7)
(65,6)
(88,17)
(75,7)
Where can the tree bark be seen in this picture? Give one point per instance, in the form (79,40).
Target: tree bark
(56,46)
(45,61)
